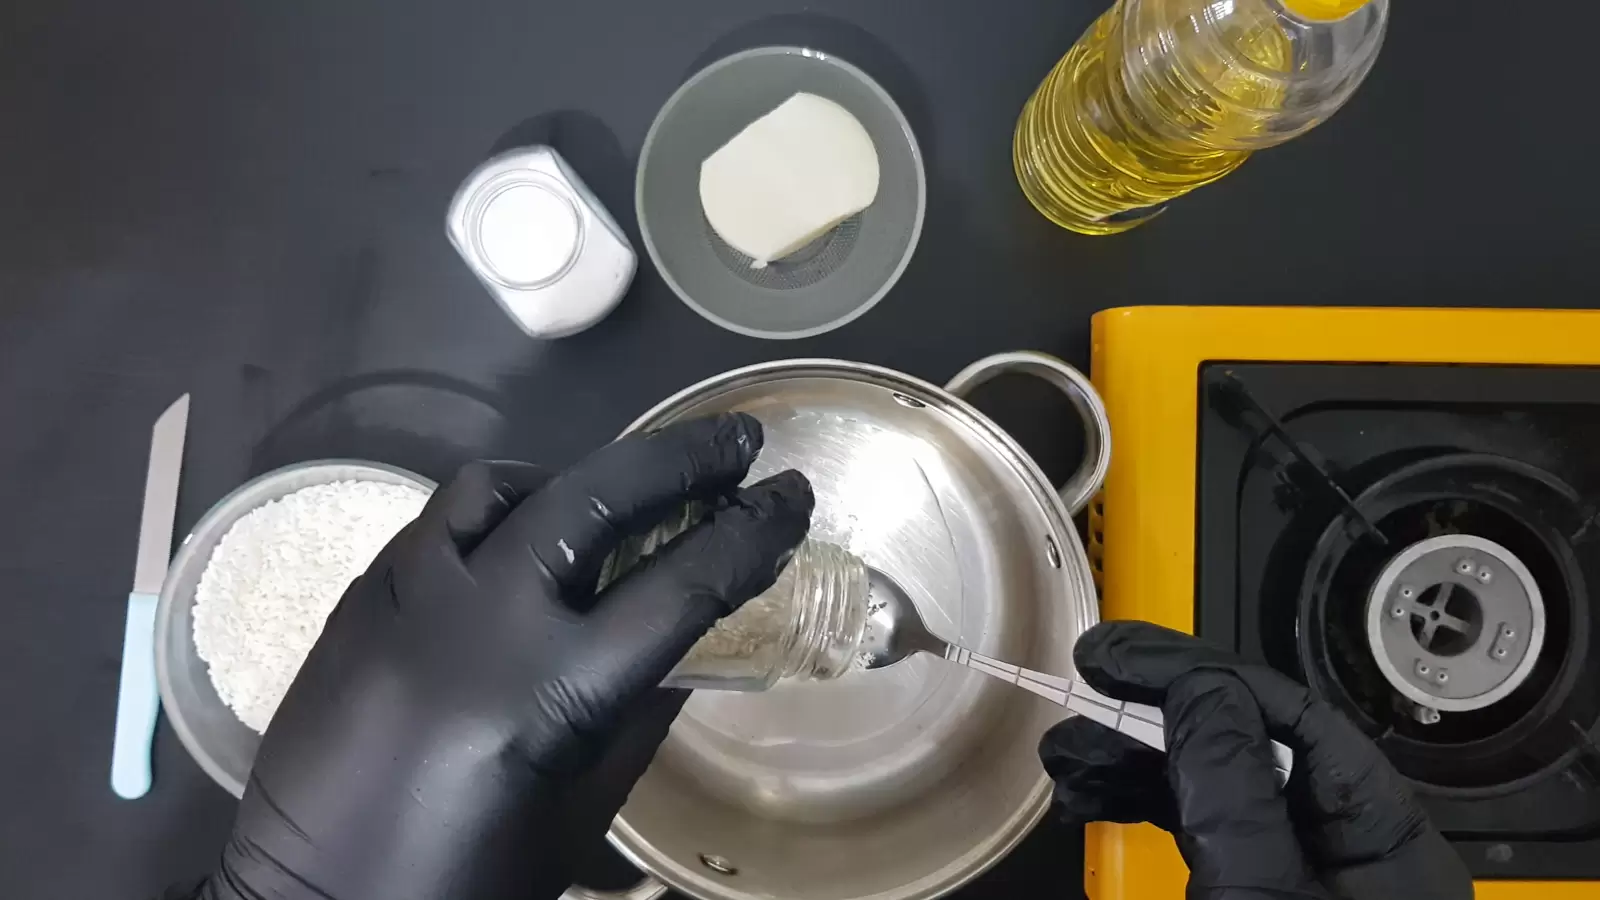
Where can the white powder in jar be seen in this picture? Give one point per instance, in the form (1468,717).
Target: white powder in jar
(751,637)
(276,575)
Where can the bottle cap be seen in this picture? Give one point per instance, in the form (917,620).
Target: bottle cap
(1323,10)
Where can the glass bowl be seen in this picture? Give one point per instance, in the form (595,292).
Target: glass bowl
(827,283)
(224,746)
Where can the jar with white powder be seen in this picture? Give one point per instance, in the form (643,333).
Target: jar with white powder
(808,625)
(540,242)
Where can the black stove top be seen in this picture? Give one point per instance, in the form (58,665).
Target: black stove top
(1448,516)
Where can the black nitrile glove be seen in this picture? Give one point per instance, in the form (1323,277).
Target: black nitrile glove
(1345,825)
(473,714)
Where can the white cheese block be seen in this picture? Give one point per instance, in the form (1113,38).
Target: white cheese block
(788,177)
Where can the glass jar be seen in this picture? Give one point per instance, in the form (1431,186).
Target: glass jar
(808,625)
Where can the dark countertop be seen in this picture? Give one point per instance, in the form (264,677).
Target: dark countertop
(245,201)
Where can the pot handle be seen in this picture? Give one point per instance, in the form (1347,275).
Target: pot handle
(648,888)
(1091,474)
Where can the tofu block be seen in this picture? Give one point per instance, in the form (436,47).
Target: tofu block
(789,177)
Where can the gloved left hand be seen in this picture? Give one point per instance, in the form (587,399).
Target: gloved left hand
(474,713)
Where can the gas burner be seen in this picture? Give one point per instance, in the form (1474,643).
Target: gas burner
(1473,551)
(1323,490)
(1456,623)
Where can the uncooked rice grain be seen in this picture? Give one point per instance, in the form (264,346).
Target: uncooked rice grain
(276,575)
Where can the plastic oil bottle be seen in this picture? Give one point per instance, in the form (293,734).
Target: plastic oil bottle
(1162,96)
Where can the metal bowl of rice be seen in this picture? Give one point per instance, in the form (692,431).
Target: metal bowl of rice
(211,730)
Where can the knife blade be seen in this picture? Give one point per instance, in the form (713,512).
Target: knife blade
(137,697)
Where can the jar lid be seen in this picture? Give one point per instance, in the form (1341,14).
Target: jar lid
(525,229)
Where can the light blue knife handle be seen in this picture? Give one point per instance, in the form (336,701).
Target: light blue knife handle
(137,701)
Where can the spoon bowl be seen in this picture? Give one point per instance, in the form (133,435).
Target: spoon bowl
(895,631)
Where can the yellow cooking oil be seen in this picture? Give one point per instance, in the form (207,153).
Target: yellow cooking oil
(1160,97)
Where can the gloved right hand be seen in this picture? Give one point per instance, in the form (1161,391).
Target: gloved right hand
(1344,826)
(474,713)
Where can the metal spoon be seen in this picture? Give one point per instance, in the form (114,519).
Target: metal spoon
(895,631)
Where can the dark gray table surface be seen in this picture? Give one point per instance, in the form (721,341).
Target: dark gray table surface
(244,200)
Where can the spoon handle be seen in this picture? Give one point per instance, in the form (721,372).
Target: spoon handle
(1136,720)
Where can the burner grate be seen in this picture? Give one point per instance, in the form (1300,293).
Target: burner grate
(1314,479)
(1512,727)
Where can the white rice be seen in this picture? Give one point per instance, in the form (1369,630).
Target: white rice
(275,576)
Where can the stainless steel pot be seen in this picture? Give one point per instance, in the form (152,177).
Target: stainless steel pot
(904,783)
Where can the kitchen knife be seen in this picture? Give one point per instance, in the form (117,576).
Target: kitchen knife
(137,700)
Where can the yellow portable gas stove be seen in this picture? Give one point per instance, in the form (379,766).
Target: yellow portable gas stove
(1367,499)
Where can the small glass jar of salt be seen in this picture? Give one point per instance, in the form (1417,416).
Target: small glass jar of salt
(808,625)
(540,241)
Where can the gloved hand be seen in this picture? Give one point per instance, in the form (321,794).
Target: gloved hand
(473,713)
(1344,826)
